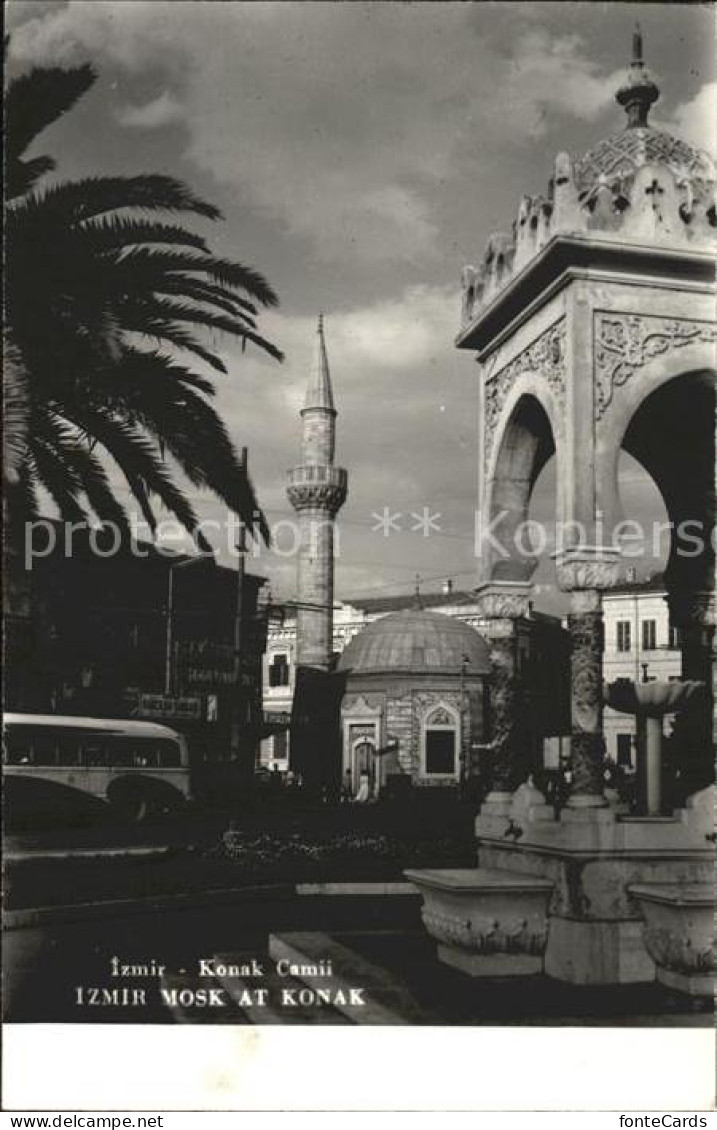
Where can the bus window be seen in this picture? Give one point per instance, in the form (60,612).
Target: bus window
(168,754)
(120,751)
(68,750)
(44,748)
(145,754)
(93,753)
(18,747)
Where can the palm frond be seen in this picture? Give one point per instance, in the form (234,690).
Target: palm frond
(137,458)
(214,295)
(35,100)
(162,329)
(22,176)
(117,232)
(80,200)
(196,437)
(84,465)
(16,408)
(226,272)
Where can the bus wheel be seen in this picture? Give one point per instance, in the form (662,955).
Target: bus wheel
(131,806)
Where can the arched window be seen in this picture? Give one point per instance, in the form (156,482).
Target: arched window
(440,742)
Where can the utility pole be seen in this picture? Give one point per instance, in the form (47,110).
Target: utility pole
(169,646)
(238,713)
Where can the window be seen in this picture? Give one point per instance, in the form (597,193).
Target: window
(624,642)
(649,635)
(279,670)
(440,743)
(624,749)
(441,752)
(675,640)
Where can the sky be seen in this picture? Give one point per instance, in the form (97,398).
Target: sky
(361,154)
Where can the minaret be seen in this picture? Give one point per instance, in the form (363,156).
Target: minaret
(317,491)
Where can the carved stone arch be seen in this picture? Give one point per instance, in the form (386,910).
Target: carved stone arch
(529,430)
(440,714)
(644,420)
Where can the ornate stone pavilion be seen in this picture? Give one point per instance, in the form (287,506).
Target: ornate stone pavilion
(593,327)
(416,689)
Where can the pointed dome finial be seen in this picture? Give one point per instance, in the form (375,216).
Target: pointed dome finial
(319,394)
(637,45)
(639,91)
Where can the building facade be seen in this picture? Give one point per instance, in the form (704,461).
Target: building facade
(640,645)
(145,633)
(543,659)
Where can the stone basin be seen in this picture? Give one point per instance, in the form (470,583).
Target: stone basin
(487,922)
(652,699)
(679,933)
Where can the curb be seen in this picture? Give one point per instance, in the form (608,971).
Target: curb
(24,919)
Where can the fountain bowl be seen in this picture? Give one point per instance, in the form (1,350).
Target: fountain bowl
(652,699)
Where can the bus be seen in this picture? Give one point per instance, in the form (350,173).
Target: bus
(140,769)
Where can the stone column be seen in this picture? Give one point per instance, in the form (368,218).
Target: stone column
(585,572)
(502,604)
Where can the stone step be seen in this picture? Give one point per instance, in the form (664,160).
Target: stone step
(364,992)
(271,999)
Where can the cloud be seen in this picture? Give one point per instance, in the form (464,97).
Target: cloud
(694,121)
(161,111)
(333,119)
(549,74)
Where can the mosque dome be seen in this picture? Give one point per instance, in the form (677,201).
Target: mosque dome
(616,159)
(417,642)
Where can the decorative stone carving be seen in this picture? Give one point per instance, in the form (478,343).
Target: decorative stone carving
(506,770)
(587,568)
(545,357)
(504,600)
(440,717)
(626,342)
(486,921)
(587,743)
(325,497)
(679,933)
(481,934)
(693,608)
(359,705)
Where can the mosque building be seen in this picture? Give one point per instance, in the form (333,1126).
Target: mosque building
(414,670)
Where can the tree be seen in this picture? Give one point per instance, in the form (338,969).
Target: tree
(103,296)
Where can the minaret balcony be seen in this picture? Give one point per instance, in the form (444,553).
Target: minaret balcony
(317,486)
(318,473)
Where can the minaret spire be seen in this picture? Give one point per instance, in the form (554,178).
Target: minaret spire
(319,393)
(640,90)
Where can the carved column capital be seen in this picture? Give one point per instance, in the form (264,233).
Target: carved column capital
(693,609)
(504,600)
(587,567)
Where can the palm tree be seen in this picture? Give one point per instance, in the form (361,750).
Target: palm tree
(103,296)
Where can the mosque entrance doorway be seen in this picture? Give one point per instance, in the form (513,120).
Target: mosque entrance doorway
(364,770)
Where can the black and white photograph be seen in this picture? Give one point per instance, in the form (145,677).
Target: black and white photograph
(359,390)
